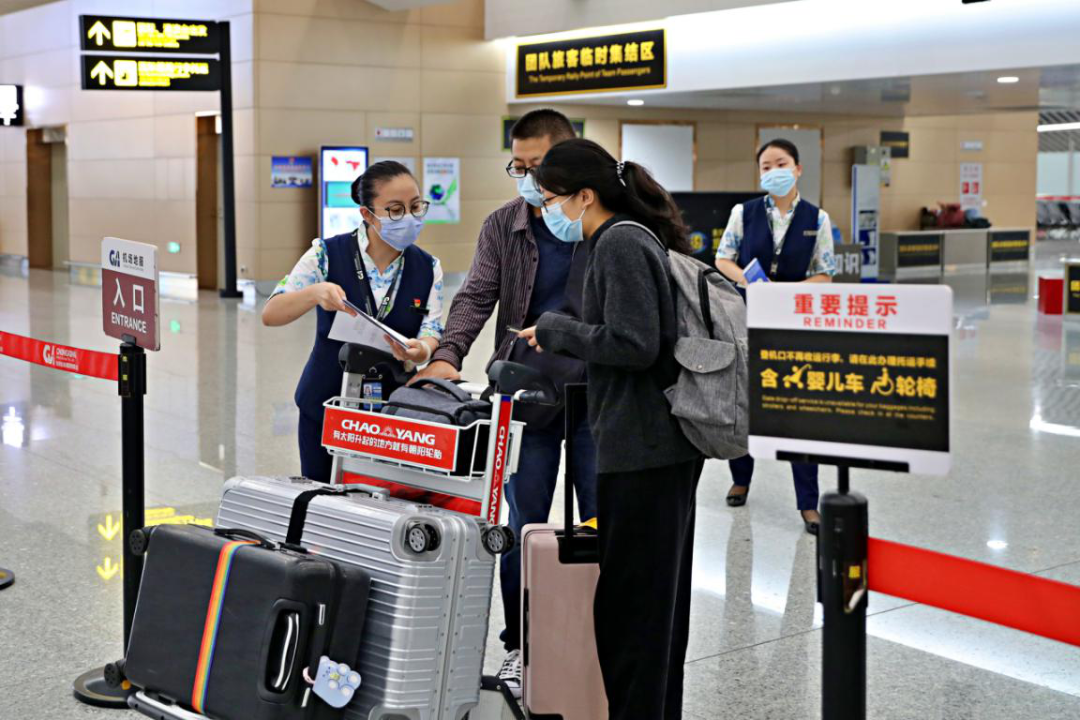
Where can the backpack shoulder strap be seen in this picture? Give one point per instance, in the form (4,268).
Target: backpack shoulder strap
(634,223)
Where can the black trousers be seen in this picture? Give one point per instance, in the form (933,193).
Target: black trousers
(642,610)
(315,462)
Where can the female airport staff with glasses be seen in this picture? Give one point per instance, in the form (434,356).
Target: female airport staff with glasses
(791,240)
(378,269)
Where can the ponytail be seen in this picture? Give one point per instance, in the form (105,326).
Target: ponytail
(653,206)
(626,188)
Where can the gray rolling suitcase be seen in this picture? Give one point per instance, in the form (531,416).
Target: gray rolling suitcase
(431,581)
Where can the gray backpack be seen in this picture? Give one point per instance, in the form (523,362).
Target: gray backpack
(711,397)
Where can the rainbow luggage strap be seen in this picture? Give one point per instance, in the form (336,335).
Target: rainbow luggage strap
(213,621)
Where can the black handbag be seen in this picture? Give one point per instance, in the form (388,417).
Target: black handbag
(562,369)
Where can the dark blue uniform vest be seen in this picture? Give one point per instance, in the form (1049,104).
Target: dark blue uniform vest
(322,375)
(797,251)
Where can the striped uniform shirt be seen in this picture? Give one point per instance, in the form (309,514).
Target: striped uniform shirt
(503,272)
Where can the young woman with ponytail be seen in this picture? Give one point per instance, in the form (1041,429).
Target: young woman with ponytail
(647,471)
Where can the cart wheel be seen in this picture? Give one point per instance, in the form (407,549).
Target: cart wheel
(139,541)
(499,539)
(114,674)
(421,538)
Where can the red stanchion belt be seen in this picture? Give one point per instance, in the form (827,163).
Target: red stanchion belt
(60,357)
(1036,605)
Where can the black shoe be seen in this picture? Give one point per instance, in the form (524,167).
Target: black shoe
(811,526)
(735,499)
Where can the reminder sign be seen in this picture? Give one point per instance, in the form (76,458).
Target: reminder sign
(627,61)
(851,371)
(107,72)
(129,35)
(129,294)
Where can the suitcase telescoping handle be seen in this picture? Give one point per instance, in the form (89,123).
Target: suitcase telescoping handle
(245,535)
(575,546)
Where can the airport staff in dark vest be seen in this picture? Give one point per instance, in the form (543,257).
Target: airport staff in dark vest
(379,269)
(792,242)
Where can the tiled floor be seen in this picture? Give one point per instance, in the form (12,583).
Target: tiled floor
(220,403)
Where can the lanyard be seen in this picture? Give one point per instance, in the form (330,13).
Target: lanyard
(369,299)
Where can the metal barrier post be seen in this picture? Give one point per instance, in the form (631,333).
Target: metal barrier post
(91,687)
(842,591)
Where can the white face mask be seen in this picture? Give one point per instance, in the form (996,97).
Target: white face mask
(561,226)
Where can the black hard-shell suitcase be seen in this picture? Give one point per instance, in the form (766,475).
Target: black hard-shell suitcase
(227,622)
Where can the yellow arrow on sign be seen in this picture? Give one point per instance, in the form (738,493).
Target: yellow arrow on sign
(108,569)
(109,529)
(101,31)
(101,71)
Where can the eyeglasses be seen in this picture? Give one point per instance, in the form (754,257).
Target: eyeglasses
(516,171)
(549,208)
(396,211)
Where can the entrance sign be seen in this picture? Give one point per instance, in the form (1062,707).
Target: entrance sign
(856,372)
(627,61)
(109,72)
(129,292)
(125,34)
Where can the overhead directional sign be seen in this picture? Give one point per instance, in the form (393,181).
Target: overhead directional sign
(124,34)
(109,72)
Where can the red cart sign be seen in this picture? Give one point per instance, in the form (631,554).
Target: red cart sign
(129,296)
(384,436)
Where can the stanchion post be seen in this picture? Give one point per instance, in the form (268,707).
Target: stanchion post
(842,545)
(91,687)
(132,391)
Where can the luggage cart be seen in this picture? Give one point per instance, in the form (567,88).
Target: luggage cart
(455,468)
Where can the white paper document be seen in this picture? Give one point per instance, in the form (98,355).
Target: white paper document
(365,330)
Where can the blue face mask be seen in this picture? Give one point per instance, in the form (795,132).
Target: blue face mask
(561,226)
(399,234)
(528,190)
(778,182)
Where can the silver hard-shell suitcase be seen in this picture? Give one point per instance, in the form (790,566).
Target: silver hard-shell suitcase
(427,619)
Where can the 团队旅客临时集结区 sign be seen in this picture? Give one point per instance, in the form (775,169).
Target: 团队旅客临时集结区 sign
(606,63)
(857,372)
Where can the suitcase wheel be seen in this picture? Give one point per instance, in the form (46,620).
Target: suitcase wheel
(114,674)
(421,538)
(139,541)
(499,539)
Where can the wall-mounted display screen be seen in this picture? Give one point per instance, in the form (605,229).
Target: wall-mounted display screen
(339,166)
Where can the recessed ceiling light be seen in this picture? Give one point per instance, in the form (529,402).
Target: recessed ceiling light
(635,102)
(997,544)
(1008,80)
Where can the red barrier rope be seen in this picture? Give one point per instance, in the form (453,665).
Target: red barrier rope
(1036,605)
(60,357)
